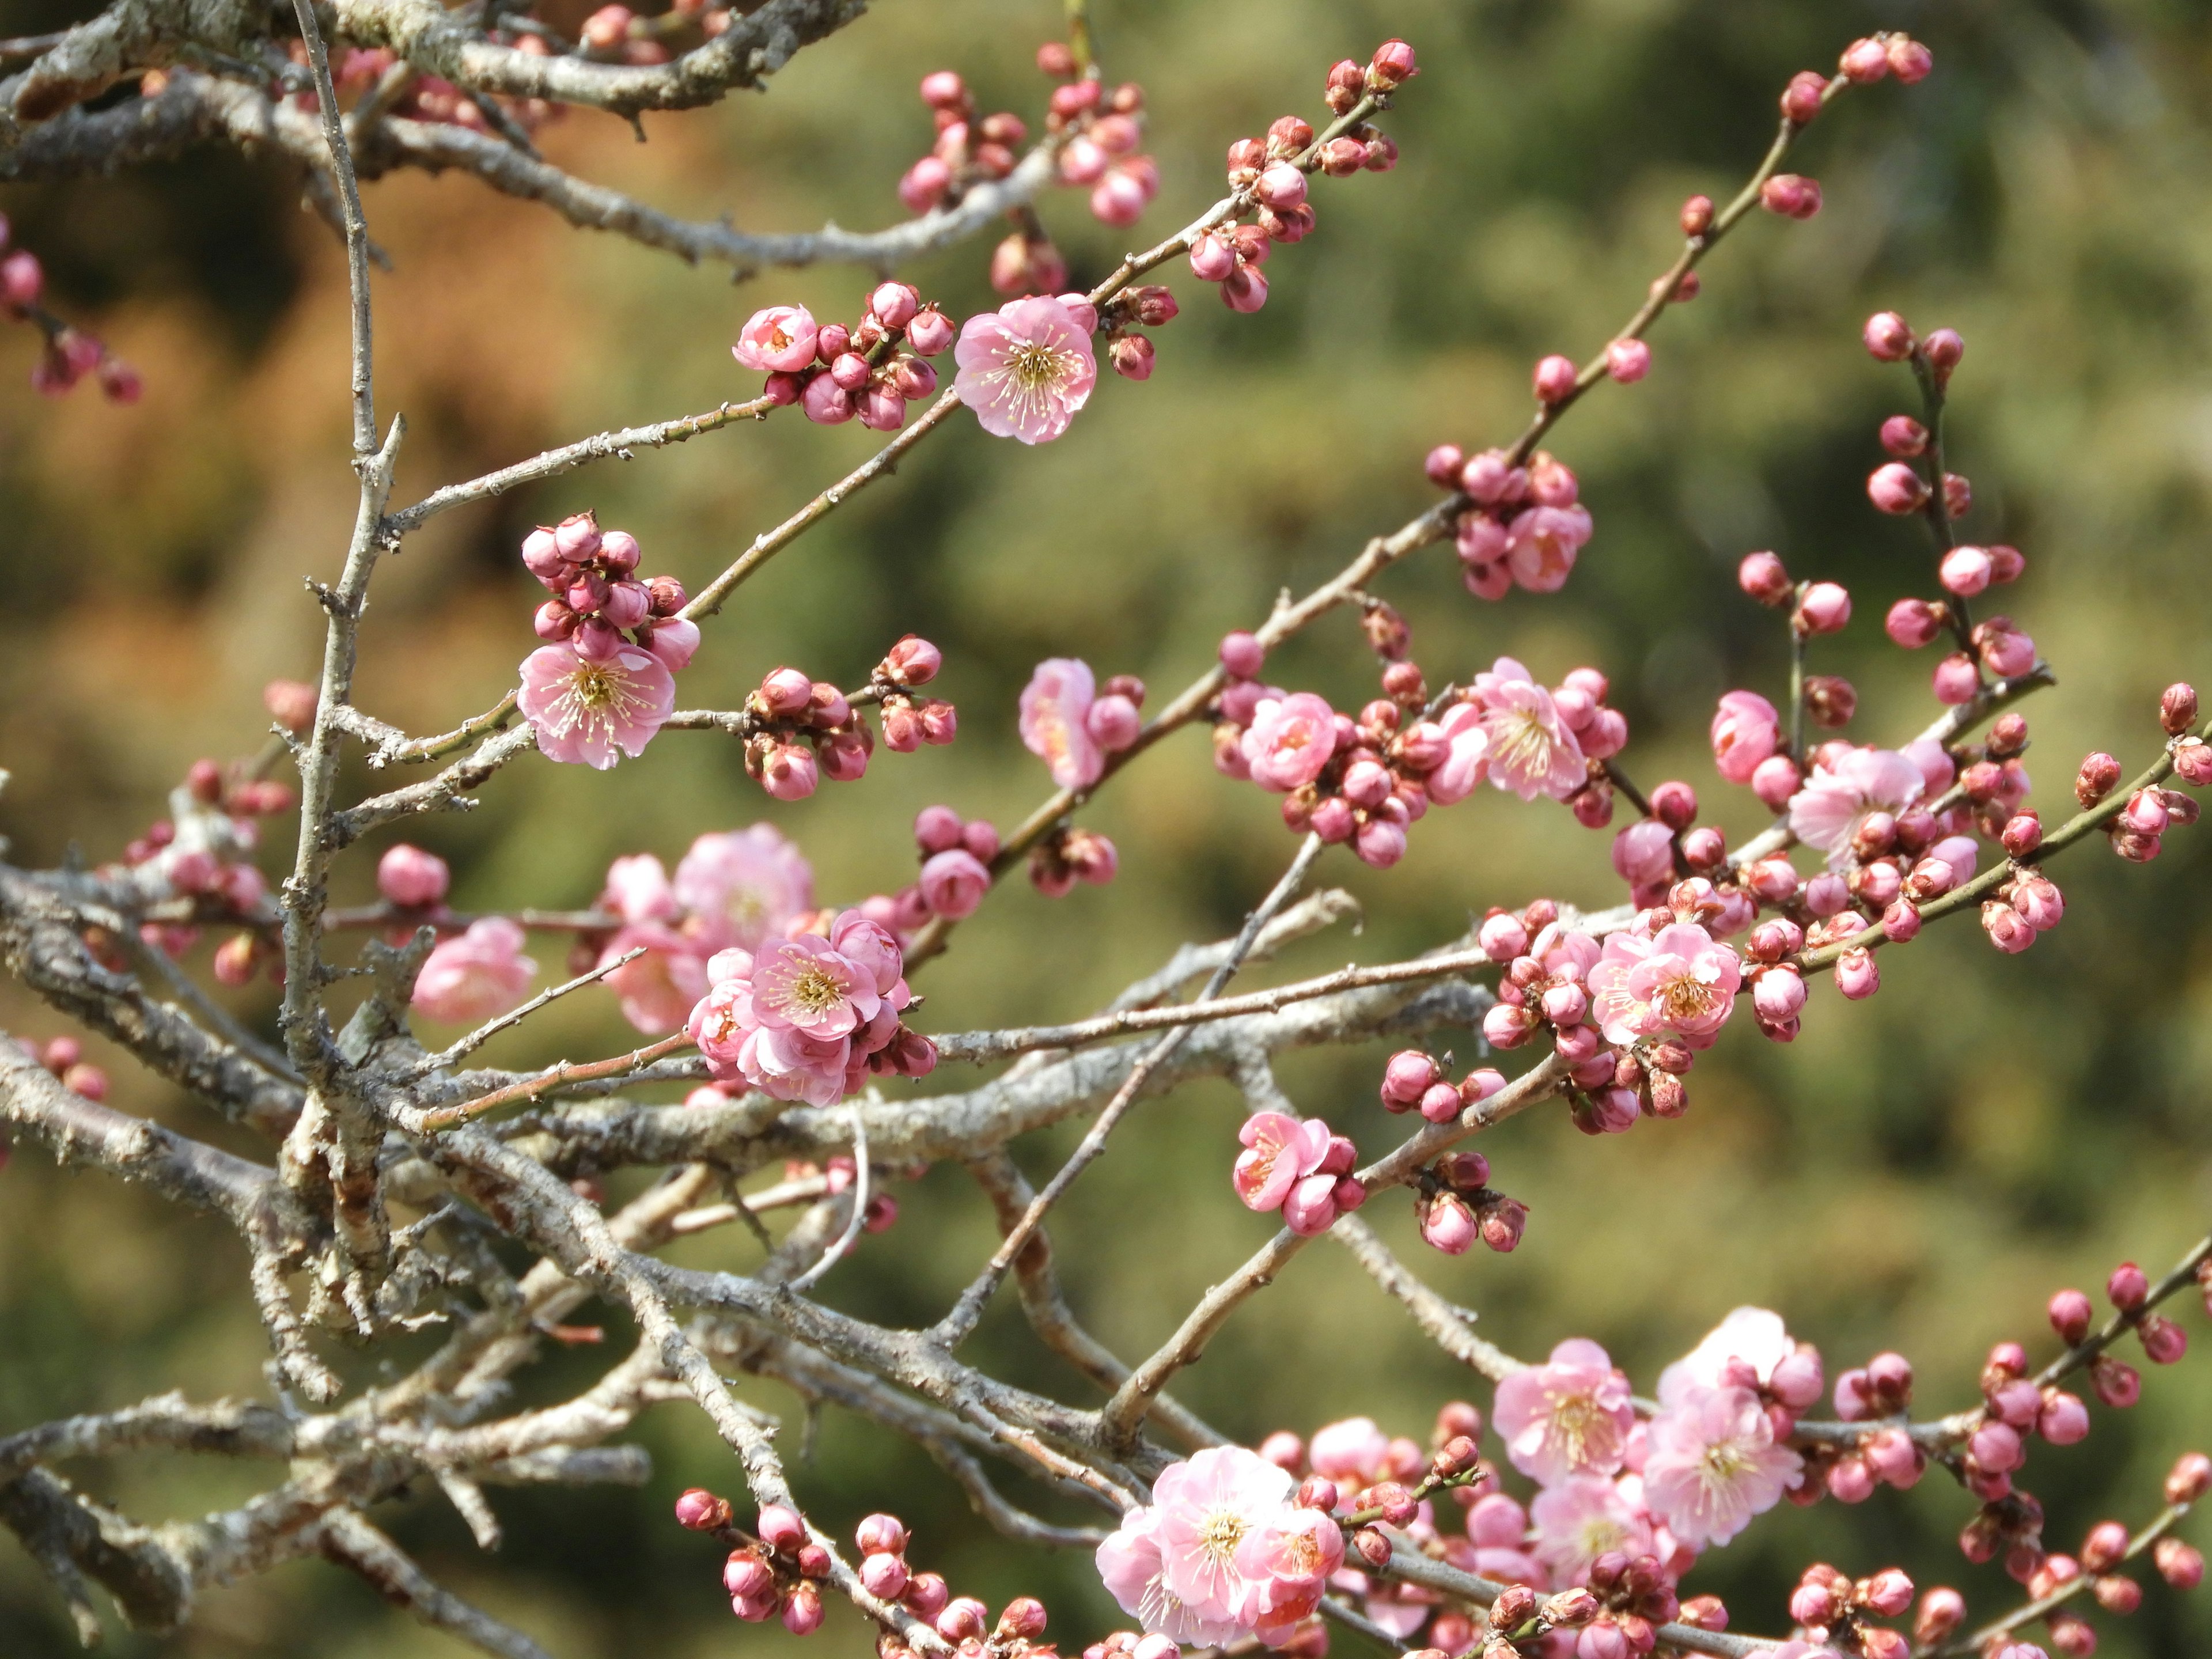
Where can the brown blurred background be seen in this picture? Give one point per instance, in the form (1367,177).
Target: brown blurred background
(1918,1171)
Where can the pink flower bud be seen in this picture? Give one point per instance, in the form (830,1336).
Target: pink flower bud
(1244,289)
(21,280)
(2006,928)
(1942,1610)
(929,333)
(953,883)
(1392,66)
(1554,380)
(1775,779)
(1212,258)
(1888,1593)
(1849,1480)
(1791,195)
(1887,338)
(1965,571)
(2164,1342)
(1904,437)
(944,90)
(1944,349)
(701,1510)
(2180,1565)
(1628,360)
(2063,1419)
(2071,1314)
(1894,1459)
(789,772)
(802,1609)
(1825,608)
(825,403)
(1825,893)
(780,1529)
(884,1575)
(1856,975)
(1113,722)
(925,1595)
(2117,1385)
(1408,1076)
(1503,937)
(1895,488)
(1448,1225)
(1913,623)
(1996,1447)
(412,879)
(1956,679)
(1801,98)
(1909,60)
(2128,1287)
(1281,185)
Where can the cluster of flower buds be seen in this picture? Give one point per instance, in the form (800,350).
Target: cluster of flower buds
(433,98)
(1524,524)
(803,730)
(777,1568)
(200,857)
(956,873)
(64,1057)
(967,150)
(604,680)
(71,354)
(1071,853)
(616,34)
(1457,1205)
(1833,1607)
(1100,128)
(1269,175)
(833,372)
(2137,831)
(2177,715)
(1149,306)
(1128,1644)
(1298,1167)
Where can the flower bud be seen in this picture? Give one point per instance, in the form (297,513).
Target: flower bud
(1762,576)
(1392,66)
(1627,360)
(1801,98)
(1825,608)
(1790,195)
(1554,378)
(1895,488)
(2099,771)
(2178,1564)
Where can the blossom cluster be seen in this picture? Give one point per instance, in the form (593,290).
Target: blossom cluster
(873,370)
(1268,175)
(605,680)
(1296,1166)
(809,1016)
(71,354)
(1525,525)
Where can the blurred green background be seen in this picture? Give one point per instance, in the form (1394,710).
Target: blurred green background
(1918,1171)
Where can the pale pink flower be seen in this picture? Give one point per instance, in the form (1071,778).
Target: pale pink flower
(741,886)
(1568,1417)
(658,990)
(1541,544)
(585,711)
(1679,981)
(1352,1450)
(1827,812)
(1644,853)
(637,890)
(803,985)
(1208,1505)
(1745,731)
(781,339)
(1581,1518)
(1129,1563)
(1291,1556)
(1054,723)
(1531,751)
(1289,741)
(1758,1340)
(1281,1151)
(1466,758)
(1713,1465)
(477,976)
(1025,369)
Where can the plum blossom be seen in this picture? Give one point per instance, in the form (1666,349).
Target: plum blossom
(585,711)
(1025,369)
(780,339)
(740,887)
(1280,1151)
(1208,1506)
(657,989)
(1827,812)
(1466,756)
(1291,1555)
(1129,1563)
(1582,1517)
(1289,741)
(1712,1464)
(1757,1339)
(1745,731)
(1353,1450)
(1542,544)
(1530,751)
(1054,721)
(478,975)
(1568,1416)
(637,890)
(1679,980)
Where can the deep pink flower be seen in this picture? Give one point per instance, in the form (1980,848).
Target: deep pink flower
(1280,1151)
(1569,1416)
(803,985)
(1054,721)
(780,338)
(953,883)
(1745,731)
(1466,758)
(741,886)
(1531,751)
(1289,741)
(1208,1506)
(477,976)
(1541,544)
(1025,369)
(1129,1563)
(1713,1465)
(657,990)
(1679,981)
(1828,809)
(1584,1517)
(585,711)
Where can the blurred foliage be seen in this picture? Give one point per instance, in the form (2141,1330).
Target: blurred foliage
(1919,1171)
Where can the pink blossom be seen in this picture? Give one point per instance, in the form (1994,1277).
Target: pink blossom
(1054,721)
(953,883)
(1745,731)
(1541,544)
(740,886)
(1582,1517)
(1291,1555)
(1531,751)
(803,985)
(780,338)
(1352,1451)
(1713,1465)
(1569,1416)
(1827,812)
(479,975)
(1280,1151)
(1465,755)
(1758,1340)
(1025,369)
(1679,980)
(1289,741)
(809,1016)
(1208,1506)
(1644,853)
(657,989)
(584,711)
(1129,1563)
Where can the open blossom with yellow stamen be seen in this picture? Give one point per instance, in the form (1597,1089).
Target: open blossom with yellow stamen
(1567,1417)
(1531,750)
(1679,980)
(1027,367)
(585,711)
